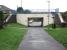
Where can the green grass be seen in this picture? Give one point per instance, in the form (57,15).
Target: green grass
(60,34)
(17,25)
(50,26)
(11,37)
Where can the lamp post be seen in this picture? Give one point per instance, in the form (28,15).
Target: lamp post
(48,12)
(21,6)
(21,3)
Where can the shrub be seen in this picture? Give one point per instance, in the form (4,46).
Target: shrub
(1,19)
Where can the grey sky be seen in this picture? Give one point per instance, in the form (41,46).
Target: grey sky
(35,4)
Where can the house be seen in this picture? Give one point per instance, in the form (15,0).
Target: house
(7,13)
(5,9)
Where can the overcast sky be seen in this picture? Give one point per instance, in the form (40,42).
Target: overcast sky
(35,4)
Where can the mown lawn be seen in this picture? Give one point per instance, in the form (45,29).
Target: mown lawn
(60,34)
(11,36)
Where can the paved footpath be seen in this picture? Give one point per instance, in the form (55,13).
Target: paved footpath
(38,39)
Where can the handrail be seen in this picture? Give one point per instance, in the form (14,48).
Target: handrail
(60,17)
(8,18)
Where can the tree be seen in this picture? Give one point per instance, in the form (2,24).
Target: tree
(20,10)
(27,11)
(1,19)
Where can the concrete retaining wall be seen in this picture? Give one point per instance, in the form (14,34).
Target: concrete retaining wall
(23,18)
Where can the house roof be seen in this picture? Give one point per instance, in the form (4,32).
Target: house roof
(2,8)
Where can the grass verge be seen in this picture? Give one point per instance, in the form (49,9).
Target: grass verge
(60,34)
(11,37)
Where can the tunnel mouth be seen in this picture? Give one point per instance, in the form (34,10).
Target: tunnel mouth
(35,22)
